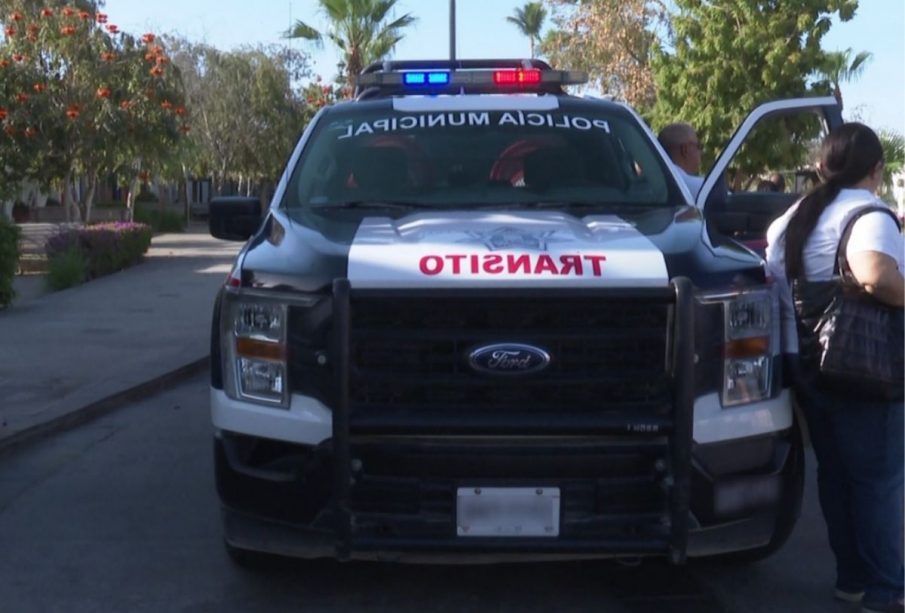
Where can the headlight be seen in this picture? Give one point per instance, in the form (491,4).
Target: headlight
(749,344)
(253,333)
(261,321)
(261,379)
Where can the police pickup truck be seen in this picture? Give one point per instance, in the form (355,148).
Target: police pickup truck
(485,320)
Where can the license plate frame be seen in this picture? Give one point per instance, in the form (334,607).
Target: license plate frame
(507,512)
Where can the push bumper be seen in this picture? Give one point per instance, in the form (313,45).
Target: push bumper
(625,489)
(279,498)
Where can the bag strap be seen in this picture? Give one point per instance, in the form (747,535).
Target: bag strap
(841,266)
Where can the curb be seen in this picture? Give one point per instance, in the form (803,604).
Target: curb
(103,406)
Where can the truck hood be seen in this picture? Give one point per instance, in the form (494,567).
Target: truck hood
(498,249)
(495,249)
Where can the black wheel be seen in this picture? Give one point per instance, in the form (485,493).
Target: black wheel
(789,508)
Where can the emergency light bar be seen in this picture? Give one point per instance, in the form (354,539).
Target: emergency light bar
(501,78)
(465,76)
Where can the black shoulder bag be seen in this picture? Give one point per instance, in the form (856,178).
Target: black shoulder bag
(850,341)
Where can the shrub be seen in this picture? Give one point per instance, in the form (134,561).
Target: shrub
(66,269)
(146,195)
(9,254)
(160,221)
(105,248)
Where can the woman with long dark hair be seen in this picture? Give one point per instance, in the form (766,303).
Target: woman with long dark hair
(858,442)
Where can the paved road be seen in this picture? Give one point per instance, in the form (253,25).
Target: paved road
(63,354)
(121,515)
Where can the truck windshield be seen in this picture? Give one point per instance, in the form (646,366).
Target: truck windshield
(473,160)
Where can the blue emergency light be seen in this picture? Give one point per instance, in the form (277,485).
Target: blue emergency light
(426,78)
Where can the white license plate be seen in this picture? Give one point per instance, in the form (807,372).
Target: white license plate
(507,511)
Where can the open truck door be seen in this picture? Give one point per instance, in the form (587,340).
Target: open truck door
(786,133)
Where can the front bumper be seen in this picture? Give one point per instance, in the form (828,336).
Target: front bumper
(279,497)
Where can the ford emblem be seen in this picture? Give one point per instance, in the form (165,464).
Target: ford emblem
(508,359)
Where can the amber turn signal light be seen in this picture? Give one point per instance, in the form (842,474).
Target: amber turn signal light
(264,350)
(747,347)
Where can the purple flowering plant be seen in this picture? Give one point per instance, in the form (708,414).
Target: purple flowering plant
(106,247)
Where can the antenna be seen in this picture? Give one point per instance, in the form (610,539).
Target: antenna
(452,29)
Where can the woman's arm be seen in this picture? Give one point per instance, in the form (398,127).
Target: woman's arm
(879,275)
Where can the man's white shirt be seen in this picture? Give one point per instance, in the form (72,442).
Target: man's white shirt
(694,182)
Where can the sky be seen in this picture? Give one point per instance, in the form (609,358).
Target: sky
(877,98)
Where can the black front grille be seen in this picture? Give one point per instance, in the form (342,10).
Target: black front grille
(609,489)
(409,352)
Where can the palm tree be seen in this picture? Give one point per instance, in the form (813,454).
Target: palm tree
(530,20)
(839,66)
(893,155)
(360,29)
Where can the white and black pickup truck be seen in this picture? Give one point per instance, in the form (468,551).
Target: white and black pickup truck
(483,319)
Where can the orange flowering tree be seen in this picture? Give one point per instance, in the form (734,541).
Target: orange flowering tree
(150,109)
(81,99)
(15,150)
(26,122)
(318,95)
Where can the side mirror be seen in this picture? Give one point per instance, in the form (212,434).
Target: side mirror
(234,218)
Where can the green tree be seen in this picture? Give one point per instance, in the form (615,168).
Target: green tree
(276,114)
(727,57)
(247,112)
(529,19)
(893,156)
(361,29)
(611,40)
(839,66)
(215,100)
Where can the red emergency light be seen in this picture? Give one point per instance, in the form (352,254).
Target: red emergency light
(530,76)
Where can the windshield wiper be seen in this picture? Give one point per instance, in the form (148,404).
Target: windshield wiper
(371,204)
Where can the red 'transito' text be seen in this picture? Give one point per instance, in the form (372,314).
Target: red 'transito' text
(512,264)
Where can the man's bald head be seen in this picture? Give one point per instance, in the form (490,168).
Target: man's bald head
(681,143)
(675,134)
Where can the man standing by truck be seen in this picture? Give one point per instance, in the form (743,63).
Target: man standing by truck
(681,143)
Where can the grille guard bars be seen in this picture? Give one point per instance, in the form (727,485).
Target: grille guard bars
(683,406)
(679,437)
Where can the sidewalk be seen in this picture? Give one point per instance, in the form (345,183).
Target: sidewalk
(66,356)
